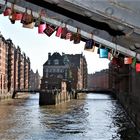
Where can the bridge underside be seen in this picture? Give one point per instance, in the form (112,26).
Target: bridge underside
(114,23)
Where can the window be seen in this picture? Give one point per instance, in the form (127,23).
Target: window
(54,70)
(61,70)
(49,62)
(50,70)
(46,70)
(58,70)
(51,75)
(60,76)
(65,74)
(56,62)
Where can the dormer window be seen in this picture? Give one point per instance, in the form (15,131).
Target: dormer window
(65,60)
(56,62)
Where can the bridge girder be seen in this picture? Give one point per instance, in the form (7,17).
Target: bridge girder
(107,19)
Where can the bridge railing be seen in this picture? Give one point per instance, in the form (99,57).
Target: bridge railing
(95,90)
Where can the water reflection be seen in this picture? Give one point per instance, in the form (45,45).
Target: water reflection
(126,129)
(94,117)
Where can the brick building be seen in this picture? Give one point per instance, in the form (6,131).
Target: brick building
(55,69)
(11,58)
(35,80)
(3,65)
(14,67)
(26,72)
(72,68)
(79,70)
(21,70)
(124,81)
(99,80)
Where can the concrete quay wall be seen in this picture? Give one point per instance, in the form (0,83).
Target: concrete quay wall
(132,106)
(128,93)
(9,95)
(5,96)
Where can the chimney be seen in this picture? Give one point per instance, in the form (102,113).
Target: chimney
(63,53)
(49,54)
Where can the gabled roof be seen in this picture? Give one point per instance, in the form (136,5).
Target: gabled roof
(53,57)
(74,59)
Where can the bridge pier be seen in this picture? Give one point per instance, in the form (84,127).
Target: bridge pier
(46,98)
(54,98)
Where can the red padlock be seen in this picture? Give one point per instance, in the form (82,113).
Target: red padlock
(137,67)
(68,35)
(17,16)
(41,28)
(49,30)
(59,31)
(128,60)
(7,12)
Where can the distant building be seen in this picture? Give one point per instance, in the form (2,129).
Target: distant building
(35,80)
(3,65)
(72,68)
(21,70)
(79,70)
(55,69)
(99,80)
(14,67)
(11,58)
(26,71)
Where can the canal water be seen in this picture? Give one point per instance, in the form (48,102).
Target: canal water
(93,117)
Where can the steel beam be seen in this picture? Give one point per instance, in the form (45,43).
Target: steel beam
(126,12)
(71,25)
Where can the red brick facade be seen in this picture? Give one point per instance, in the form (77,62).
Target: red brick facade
(14,67)
(99,80)
(35,80)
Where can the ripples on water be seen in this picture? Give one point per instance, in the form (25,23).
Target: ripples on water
(95,117)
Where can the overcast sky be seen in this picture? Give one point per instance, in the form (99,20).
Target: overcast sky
(37,46)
